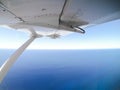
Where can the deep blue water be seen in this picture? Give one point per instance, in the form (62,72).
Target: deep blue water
(63,70)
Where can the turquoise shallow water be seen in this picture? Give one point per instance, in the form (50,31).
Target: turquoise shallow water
(63,70)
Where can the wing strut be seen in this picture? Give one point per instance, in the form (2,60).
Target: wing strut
(10,61)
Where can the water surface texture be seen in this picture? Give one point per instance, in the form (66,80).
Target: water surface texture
(63,70)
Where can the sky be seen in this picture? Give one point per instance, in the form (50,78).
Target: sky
(103,36)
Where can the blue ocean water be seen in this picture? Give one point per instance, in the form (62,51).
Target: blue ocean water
(63,70)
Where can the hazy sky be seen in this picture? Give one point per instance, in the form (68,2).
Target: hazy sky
(101,36)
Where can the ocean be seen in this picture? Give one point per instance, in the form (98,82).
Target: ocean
(63,70)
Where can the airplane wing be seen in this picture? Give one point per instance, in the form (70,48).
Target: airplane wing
(58,16)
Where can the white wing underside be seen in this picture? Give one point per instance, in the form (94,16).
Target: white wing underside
(57,16)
